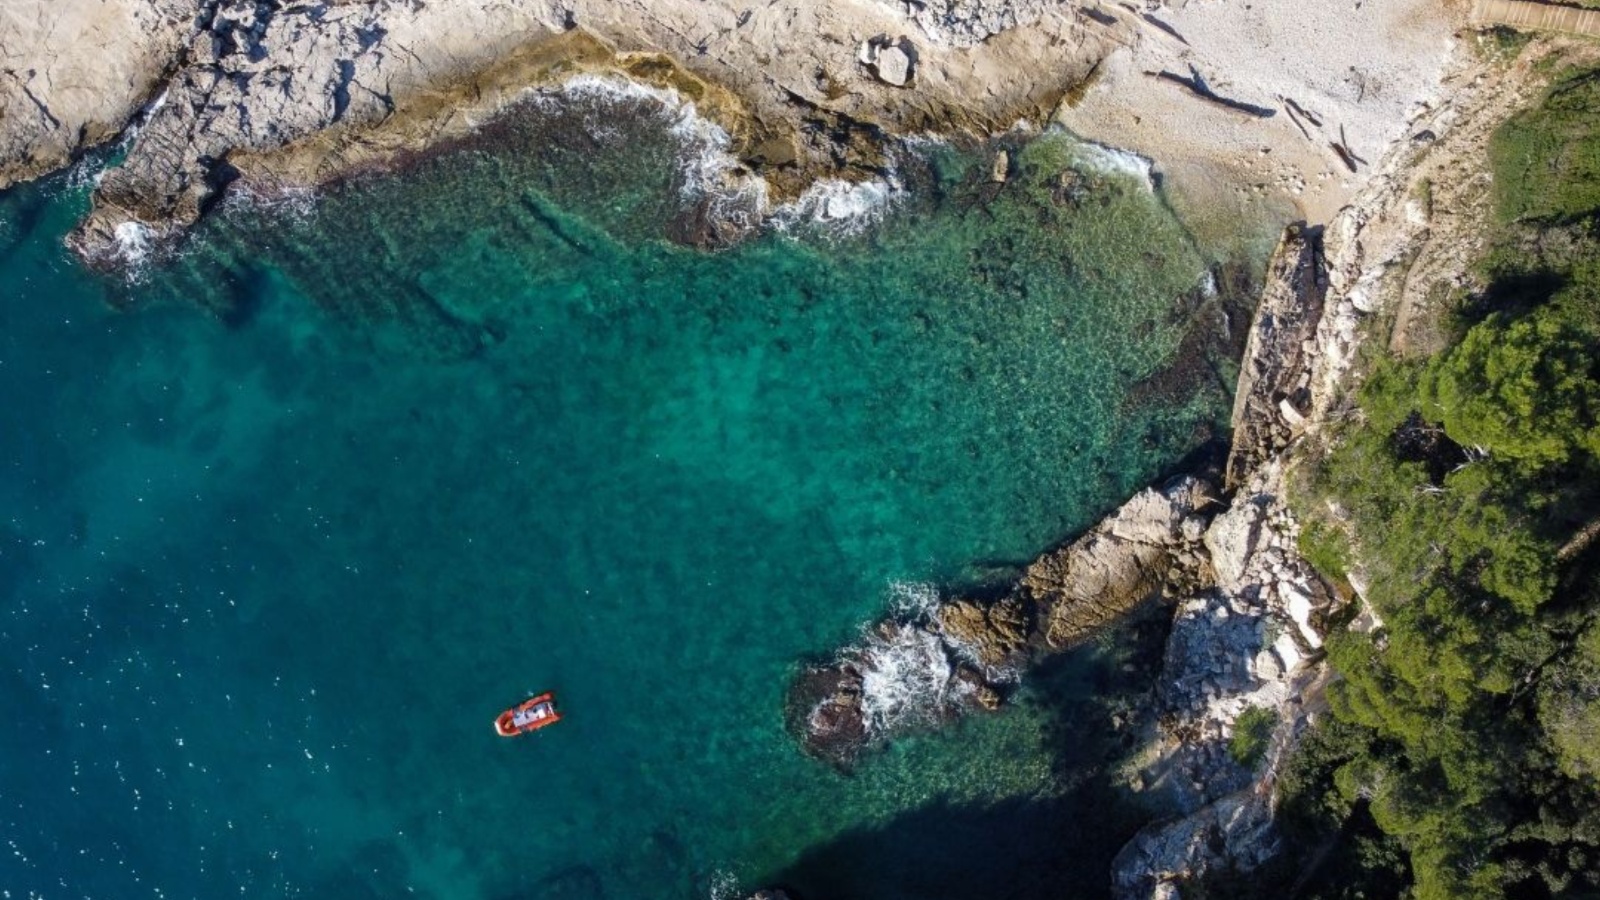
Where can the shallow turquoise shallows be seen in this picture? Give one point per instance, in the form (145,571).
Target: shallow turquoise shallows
(280,538)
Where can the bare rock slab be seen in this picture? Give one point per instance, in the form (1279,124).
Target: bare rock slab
(73,73)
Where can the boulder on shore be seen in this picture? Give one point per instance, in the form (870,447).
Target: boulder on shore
(891,61)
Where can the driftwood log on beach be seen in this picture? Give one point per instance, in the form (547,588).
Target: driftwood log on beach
(1196,85)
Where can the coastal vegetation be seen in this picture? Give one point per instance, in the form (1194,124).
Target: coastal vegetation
(1252,734)
(1461,491)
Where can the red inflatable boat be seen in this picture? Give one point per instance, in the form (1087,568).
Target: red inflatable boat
(528,716)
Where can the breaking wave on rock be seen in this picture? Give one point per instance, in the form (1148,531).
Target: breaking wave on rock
(836,206)
(1106,160)
(709,175)
(905,668)
(905,680)
(904,673)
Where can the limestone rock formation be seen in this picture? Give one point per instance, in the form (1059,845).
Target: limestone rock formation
(1250,643)
(965,23)
(72,74)
(1150,544)
(258,75)
(1274,392)
(1235,831)
(997,633)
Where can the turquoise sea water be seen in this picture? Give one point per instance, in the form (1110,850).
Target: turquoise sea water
(280,537)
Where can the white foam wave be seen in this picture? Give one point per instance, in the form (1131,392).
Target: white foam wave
(708,170)
(724,886)
(838,206)
(1116,161)
(913,601)
(905,677)
(905,667)
(290,201)
(88,171)
(133,242)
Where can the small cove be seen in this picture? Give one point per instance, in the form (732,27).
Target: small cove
(341,483)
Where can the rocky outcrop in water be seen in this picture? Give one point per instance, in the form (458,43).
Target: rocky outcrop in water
(997,633)
(947,658)
(1151,545)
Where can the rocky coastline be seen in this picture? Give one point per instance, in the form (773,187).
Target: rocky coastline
(275,94)
(961,654)
(272,95)
(1220,548)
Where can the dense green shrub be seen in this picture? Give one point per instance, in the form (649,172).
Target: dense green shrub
(1547,159)
(1569,709)
(1252,735)
(1523,389)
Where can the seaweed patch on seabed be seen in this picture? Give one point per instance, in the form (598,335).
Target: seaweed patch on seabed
(1215,318)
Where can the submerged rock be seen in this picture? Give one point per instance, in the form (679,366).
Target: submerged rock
(1000,171)
(825,711)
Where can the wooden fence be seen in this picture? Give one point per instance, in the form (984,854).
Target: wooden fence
(1537,16)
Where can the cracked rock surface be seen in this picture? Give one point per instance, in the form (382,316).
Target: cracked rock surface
(72,74)
(964,23)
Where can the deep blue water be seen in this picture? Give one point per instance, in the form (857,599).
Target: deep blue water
(283,533)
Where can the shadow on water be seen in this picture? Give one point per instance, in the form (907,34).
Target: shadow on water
(1058,844)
